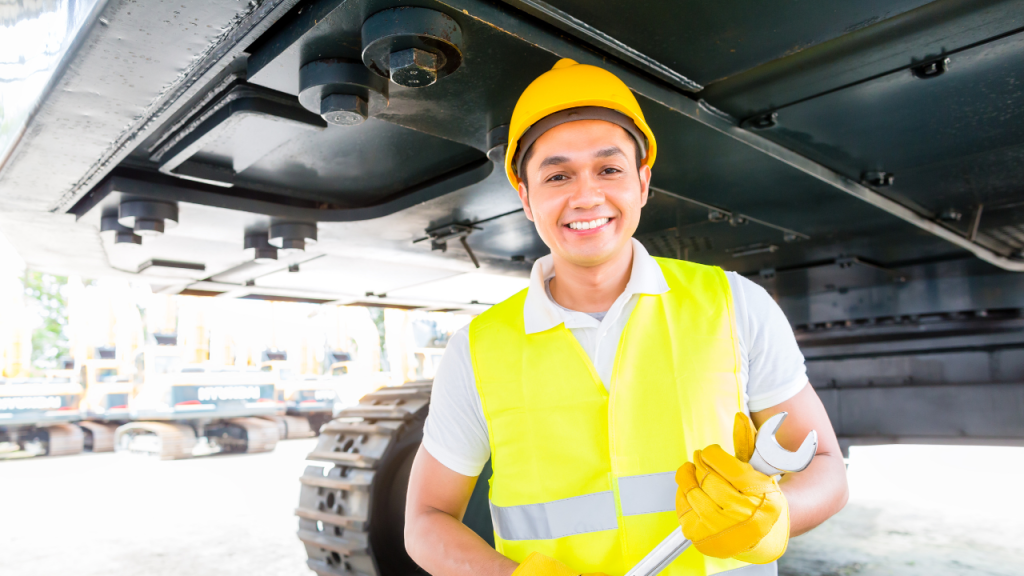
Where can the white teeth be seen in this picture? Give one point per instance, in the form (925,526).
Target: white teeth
(588,225)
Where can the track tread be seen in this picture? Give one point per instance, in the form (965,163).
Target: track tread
(176,440)
(335,502)
(323,569)
(336,426)
(333,484)
(261,435)
(347,546)
(377,413)
(64,440)
(102,435)
(345,458)
(353,522)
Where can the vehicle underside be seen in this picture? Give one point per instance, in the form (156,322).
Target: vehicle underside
(863,161)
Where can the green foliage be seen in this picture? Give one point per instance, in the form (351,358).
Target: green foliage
(47,297)
(377,314)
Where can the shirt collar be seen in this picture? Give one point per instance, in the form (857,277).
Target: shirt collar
(540,313)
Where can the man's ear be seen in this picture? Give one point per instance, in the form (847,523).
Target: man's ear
(645,184)
(524,197)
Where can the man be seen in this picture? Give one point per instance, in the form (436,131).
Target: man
(612,395)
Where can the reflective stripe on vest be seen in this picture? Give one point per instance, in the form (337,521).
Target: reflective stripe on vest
(585,475)
(589,513)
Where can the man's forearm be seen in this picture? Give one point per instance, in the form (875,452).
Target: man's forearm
(444,546)
(815,494)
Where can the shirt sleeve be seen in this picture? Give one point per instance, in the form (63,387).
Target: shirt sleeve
(455,432)
(775,365)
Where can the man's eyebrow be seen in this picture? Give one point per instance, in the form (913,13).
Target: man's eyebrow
(552,161)
(610,151)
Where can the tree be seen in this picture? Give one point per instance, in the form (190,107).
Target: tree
(47,298)
(377,314)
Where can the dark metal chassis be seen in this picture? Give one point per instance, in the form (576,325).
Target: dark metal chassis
(775,162)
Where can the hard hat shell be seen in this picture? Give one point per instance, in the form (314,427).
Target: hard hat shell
(570,85)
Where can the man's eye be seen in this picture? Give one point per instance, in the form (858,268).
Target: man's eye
(610,170)
(557,178)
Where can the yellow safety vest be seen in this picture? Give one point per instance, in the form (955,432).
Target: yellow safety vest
(585,475)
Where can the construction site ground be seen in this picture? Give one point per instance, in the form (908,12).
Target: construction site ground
(913,510)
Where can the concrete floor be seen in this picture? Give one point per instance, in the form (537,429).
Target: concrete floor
(935,512)
(928,510)
(112,514)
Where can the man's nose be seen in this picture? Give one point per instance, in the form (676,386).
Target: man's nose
(588,194)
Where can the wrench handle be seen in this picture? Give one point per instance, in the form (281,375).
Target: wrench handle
(662,555)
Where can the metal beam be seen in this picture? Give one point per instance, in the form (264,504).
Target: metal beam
(721,122)
(246,201)
(965,413)
(231,44)
(580,29)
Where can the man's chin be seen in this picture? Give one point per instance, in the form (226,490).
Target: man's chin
(588,258)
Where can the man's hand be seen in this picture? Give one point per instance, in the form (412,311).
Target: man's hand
(728,509)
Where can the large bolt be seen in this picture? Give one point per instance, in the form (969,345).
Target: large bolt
(413,68)
(343,109)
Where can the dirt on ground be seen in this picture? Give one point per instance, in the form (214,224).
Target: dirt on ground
(914,511)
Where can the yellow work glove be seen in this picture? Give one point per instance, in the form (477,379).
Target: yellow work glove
(728,509)
(537,564)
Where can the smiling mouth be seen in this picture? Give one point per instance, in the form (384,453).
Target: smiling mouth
(588,224)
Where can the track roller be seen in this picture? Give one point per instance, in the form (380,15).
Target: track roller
(99,437)
(164,440)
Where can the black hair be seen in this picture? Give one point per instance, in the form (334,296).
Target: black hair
(529,154)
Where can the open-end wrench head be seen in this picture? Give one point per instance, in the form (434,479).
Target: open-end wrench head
(771,458)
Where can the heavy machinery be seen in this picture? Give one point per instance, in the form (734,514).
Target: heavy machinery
(860,160)
(105,401)
(37,417)
(312,399)
(337,363)
(179,411)
(305,402)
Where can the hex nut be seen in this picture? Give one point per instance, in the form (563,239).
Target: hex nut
(413,68)
(344,109)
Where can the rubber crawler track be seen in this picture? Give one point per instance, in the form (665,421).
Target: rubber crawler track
(173,441)
(368,450)
(64,439)
(99,437)
(291,427)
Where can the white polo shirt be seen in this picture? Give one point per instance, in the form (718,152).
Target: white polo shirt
(771,365)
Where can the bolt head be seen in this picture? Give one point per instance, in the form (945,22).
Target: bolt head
(951,215)
(765,121)
(127,237)
(147,227)
(414,68)
(497,153)
(878,178)
(344,109)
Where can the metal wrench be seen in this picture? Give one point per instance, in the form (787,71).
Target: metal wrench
(769,458)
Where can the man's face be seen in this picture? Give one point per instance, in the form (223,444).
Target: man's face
(585,192)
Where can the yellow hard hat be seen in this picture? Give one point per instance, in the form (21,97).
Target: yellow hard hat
(570,85)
